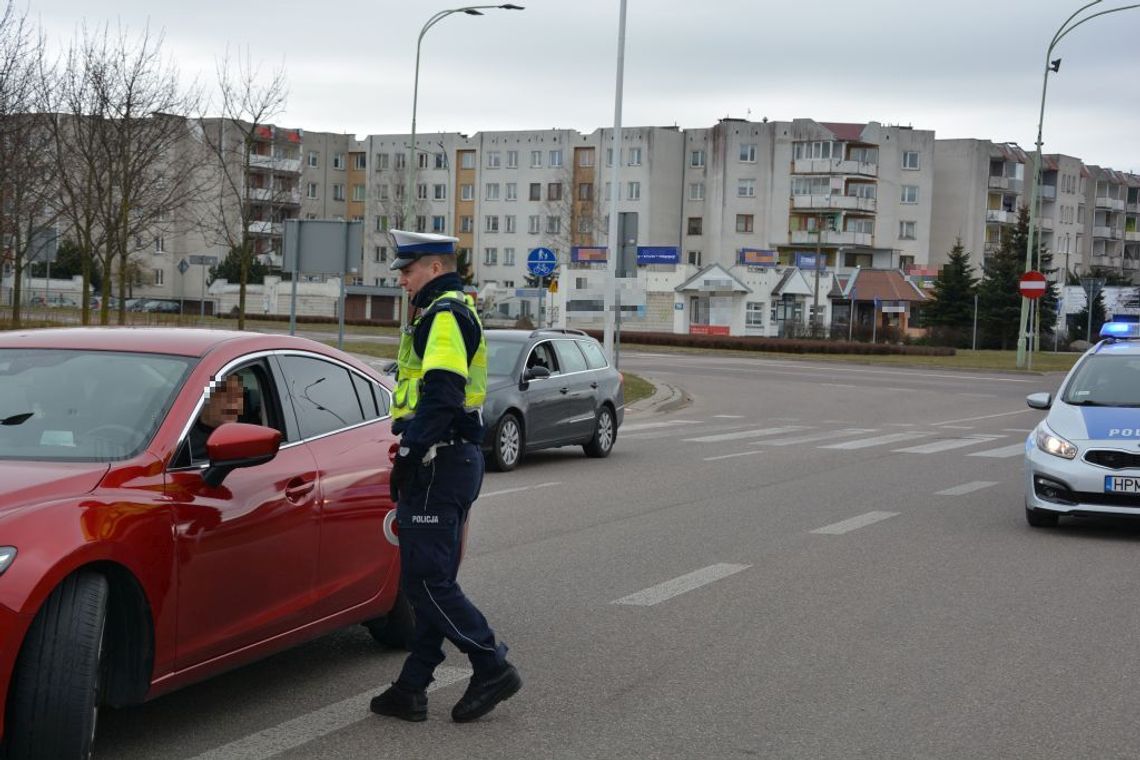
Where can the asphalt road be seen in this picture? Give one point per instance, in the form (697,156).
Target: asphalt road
(807,561)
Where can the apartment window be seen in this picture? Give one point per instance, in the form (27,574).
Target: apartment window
(818,149)
(383,190)
(311,190)
(494,159)
(381,161)
(585,191)
(509,223)
(906,262)
(586,157)
(467,224)
(338,160)
(906,231)
(910,159)
(512,159)
(512,191)
(468,160)
(159,244)
(553,225)
(360,161)
(862,190)
(697,158)
(536,191)
(697,191)
(910,193)
(400,160)
(490,256)
(491,191)
(381,224)
(421,191)
(422,160)
(746,188)
(744,222)
(492,223)
(609,191)
(635,156)
(467,192)
(438,224)
(696,225)
(866,226)
(159,275)
(421,224)
(754,313)
(440,160)
(634,191)
(509,257)
(694,258)
(554,191)
(338,192)
(508,283)
(811,186)
(314,159)
(439,192)
(535,159)
(609,156)
(585,225)
(358,193)
(581,283)
(534,224)
(748,152)
(556,158)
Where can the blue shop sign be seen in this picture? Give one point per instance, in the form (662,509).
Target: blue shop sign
(656,254)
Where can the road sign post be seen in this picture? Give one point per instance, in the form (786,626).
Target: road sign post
(541,262)
(1032,285)
(204,262)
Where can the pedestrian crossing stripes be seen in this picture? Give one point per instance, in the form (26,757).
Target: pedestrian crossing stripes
(812,437)
(864,443)
(947,445)
(1016,449)
(742,434)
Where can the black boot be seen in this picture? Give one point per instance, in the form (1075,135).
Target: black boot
(482,696)
(400,702)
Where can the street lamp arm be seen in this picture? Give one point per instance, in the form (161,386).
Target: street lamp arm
(1061,31)
(1062,34)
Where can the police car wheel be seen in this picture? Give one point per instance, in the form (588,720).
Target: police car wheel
(395,629)
(604,432)
(507,443)
(1041,518)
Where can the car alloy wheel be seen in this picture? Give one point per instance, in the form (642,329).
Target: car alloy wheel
(603,441)
(508,443)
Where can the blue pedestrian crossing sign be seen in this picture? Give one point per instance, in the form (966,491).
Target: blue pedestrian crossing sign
(541,262)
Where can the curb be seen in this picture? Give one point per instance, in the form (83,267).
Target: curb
(666,398)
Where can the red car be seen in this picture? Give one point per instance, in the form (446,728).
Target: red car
(130,565)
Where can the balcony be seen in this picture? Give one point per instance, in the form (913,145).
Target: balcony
(1048,192)
(269,163)
(1116,204)
(831,237)
(1132,208)
(846,202)
(1131,264)
(1102,232)
(1103,201)
(835,166)
(1132,236)
(278,197)
(1045,223)
(1006,183)
(264,228)
(1001,217)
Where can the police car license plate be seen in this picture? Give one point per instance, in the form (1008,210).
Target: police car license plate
(1119,484)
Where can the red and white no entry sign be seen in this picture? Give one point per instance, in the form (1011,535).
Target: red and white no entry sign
(1032,284)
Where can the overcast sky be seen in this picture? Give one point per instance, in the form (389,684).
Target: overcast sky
(966,68)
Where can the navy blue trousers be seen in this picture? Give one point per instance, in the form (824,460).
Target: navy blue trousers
(431,514)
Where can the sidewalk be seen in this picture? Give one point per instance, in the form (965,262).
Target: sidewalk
(666,398)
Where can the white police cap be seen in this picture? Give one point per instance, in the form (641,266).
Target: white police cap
(411,245)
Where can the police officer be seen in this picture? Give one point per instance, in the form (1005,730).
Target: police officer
(436,476)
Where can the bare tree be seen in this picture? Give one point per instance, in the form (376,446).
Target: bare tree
(242,138)
(573,216)
(26,212)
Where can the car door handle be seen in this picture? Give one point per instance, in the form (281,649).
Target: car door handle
(594,385)
(564,390)
(298,488)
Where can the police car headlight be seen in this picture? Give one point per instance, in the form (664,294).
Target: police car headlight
(1051,443)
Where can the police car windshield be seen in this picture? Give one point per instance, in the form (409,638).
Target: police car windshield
(1105,381)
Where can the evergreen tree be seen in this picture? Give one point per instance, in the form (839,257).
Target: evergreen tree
(999,302)
(230,269)
(463,266)
(951,313)
(69,263)
(1080,321)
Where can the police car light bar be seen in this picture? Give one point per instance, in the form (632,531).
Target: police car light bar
(1120,330)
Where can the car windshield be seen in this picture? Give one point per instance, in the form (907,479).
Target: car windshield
(72,405)
(1105,381)
(503,356)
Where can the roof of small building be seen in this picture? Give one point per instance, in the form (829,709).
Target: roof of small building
(883,285)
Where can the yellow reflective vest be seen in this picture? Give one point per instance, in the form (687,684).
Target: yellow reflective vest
(445,350)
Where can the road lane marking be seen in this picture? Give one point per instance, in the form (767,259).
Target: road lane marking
(839,385)
(1018,430)
(732,456)
(946,445)
(740,435)
(729,416)
(519,489)
(652,425)
(300,731)
(813,437)
(966,488)
(669,589)
(983,417)
(1002,453)
(879,440)
(957,427)
(900,424)
(862,521)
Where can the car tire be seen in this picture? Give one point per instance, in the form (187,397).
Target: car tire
(507,443)
(395,630)
(56,688)
(605,432)
(1041,518)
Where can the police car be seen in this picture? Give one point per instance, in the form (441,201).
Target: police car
(1084,457)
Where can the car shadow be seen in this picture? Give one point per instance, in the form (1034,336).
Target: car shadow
(1099,527)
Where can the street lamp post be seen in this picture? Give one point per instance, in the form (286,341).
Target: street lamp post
(611,303)
(1050,65)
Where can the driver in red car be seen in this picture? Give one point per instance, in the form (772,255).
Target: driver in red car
(226,403)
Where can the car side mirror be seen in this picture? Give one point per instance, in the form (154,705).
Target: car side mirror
(1039,400)
(235,445)
(535,373)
